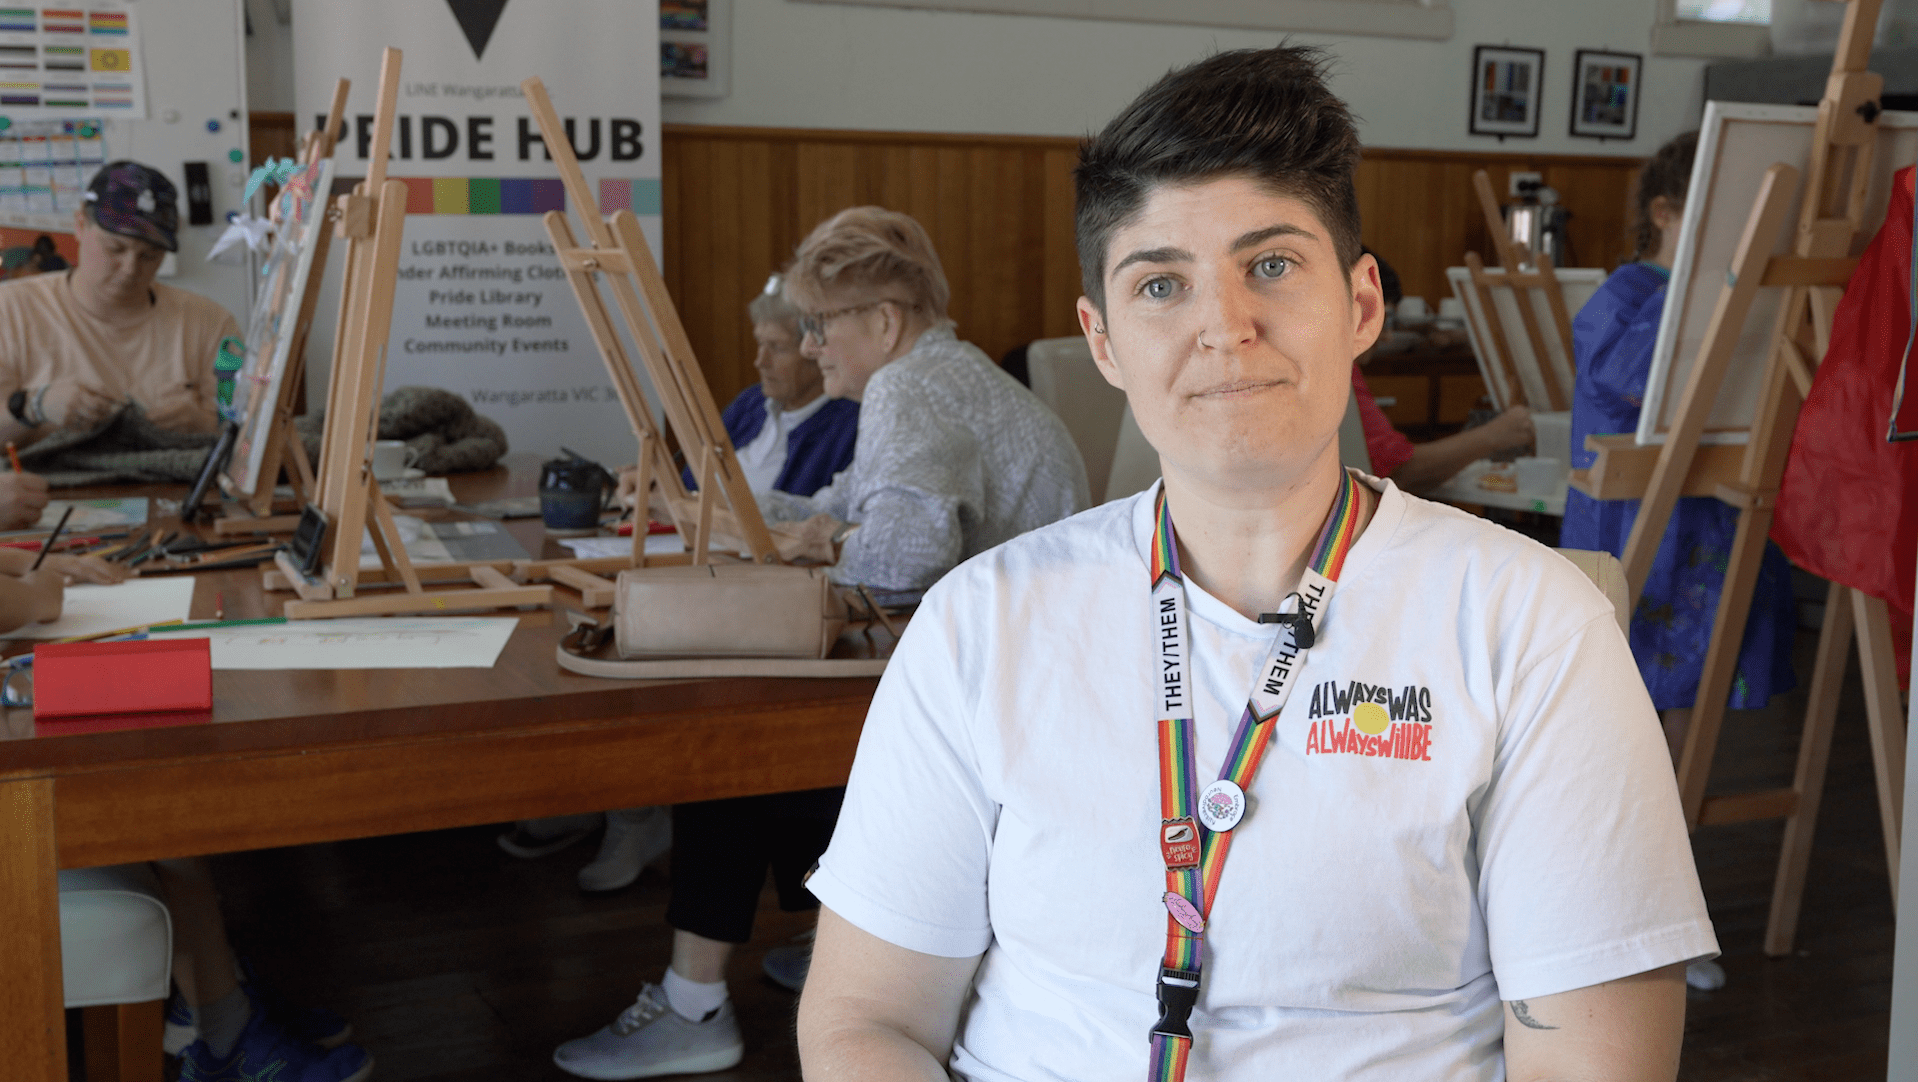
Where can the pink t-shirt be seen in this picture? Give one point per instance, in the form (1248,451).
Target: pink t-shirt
(1387,446)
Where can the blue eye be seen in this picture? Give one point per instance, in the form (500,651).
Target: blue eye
(1270,267)
(1158,288)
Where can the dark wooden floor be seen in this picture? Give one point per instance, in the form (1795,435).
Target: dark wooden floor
(460,964)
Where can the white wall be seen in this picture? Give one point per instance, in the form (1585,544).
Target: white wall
(807,65)
(810,65)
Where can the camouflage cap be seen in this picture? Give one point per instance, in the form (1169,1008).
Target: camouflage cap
(134,201)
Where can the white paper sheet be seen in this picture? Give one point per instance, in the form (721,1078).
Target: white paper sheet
(396,642)
(91,610)
(596,548)
(91,515)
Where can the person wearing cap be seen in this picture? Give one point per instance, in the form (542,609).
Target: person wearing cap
(76,346)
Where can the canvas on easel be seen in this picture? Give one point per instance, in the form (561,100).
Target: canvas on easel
(270,378)
(1796,248)
(1506,360)
(1736,143)
(325,570)
(1522,314)
(615,255)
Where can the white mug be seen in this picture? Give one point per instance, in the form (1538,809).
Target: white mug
(1452,308)
(391,459)
(1413,310)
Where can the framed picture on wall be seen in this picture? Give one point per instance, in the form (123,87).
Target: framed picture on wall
(1605,94)
(695,48)
(1506,83)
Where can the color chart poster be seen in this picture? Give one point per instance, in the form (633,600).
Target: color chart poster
(482,307)
(60,63)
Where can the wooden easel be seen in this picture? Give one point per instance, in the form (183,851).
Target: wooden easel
(372,221)
(1522,280)
(283,445)
(616,251)
(1814,276)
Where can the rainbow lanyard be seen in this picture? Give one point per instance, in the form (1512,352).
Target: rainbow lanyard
(1198,825)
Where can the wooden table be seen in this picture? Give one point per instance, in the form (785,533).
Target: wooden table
(287,758)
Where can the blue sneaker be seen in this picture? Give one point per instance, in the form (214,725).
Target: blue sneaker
(314,1025)
(266,1052)
(180,1029)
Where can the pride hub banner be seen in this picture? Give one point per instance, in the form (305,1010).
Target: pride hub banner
(482,307)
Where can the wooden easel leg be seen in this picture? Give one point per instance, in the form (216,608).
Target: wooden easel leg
(703,536)
(1884,718)
(642,498)
(1814,752)
(33,1042)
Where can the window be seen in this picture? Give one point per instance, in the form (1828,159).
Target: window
(1751,12)
(1712,28)
(1386,18)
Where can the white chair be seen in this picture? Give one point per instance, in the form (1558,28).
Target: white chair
(116,957)
(1065,377)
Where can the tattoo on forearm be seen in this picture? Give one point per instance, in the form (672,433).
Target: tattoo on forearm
(1524,1016)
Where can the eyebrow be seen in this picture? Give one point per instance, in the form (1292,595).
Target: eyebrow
(1154,255)
(1260,236)
(1245,240)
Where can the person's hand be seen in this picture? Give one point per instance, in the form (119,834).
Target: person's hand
(1511,429)
(22,497)
(809,540)
(48,588)
(628,486)
(86,569)
(71,404)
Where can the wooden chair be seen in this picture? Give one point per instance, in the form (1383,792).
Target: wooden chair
(116,958)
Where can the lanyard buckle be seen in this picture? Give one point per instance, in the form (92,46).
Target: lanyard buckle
(1179,843)
(1178,994)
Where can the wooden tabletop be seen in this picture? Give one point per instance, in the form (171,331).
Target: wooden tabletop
(524,700)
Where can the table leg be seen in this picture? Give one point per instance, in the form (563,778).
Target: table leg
(33,1033)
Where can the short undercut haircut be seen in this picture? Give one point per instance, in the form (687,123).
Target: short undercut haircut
(1264,114)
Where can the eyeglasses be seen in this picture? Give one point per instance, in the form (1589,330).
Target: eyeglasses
(813,324)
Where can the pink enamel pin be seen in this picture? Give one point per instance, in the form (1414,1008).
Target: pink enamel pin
(1184,912)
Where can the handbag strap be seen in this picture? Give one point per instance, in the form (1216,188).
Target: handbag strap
(705,668)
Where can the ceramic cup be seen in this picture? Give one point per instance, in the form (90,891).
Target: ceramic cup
(1539,476)
(391,458)
(1414,310)
(571,493)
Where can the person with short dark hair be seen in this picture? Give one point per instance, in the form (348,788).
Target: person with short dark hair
(1443,789)
(75,346)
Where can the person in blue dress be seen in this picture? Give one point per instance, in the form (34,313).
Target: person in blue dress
(1612,339)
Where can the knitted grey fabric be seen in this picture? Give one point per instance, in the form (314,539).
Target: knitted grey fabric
(128,448)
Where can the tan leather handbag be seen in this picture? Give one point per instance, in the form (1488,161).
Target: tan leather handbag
(724,620)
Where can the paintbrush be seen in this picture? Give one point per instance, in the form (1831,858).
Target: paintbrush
(51,538)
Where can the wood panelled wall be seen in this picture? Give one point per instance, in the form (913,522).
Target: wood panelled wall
(999,209)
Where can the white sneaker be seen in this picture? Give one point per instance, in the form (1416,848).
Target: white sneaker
(635,837)
(786,966)
(649,1038)
(1705,976)
(531,839)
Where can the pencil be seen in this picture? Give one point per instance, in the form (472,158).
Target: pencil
(135,629)
(13,456)
(51,538)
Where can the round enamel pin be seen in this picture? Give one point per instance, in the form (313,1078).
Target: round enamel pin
(1184,912)
(1221,805)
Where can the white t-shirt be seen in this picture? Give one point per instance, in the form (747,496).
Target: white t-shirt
(765,454)
(1373,910)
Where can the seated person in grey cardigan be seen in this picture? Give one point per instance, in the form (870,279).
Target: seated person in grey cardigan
(954,456)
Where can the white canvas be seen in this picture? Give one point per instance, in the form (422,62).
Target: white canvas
(1736,144)
(1579,283)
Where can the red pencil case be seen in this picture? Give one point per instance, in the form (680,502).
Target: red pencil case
(148,676)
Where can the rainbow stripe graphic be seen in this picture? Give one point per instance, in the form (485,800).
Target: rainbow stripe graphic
(1165,546)
(106,22)
(18,20)
(522,195)
(63,21)
(1168,1058)
(1178,780)
(1341,530)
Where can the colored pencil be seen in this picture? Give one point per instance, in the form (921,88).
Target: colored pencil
(51,539)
